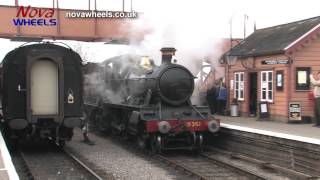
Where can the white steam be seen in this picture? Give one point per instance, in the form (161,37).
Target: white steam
(195,28)
(192,27)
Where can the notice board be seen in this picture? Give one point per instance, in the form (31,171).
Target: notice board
(295,111)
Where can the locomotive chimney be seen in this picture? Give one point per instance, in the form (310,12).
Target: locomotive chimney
(167,54)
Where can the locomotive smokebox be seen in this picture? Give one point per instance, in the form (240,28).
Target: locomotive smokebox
(167,53)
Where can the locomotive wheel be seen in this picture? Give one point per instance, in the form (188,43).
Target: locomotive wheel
(104,122)
(93,119)
(155,143)
(198,148)
(125,136)
(62,143)
(114,132)
(141,140)
(100,121)
(200,143)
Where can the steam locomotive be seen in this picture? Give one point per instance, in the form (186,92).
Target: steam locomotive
(41,92)
(130,95)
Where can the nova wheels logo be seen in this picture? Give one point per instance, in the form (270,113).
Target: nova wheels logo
(29,16)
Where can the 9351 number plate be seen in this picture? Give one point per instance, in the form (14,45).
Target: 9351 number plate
(193,124)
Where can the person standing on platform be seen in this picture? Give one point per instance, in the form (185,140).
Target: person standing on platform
(222,99)
(212,99)
(315,81)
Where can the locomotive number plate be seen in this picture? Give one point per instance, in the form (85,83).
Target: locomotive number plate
(194,124)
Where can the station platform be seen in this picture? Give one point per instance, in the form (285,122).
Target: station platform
(7,170)
(299,132)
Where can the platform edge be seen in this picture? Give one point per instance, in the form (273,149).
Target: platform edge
(274,134)
(12,173)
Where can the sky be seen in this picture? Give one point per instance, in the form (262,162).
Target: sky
(192,26)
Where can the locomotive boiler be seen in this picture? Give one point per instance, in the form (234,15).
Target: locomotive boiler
(153,104)
(42,92)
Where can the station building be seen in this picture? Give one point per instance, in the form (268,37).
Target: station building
(272,66)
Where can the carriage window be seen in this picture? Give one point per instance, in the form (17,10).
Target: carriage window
(239,85)
(267,86)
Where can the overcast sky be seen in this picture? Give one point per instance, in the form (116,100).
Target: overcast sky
(191,21)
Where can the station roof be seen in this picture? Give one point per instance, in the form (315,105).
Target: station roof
(274,40)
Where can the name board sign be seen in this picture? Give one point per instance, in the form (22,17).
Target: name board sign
(274,62)
(295,111)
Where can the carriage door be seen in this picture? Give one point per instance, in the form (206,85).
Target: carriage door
(44,88)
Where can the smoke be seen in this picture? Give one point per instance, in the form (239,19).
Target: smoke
(195,28)
(105,81)
(96,90)
(192,27)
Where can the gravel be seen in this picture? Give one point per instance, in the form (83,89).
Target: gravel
(120,162)
(48,162)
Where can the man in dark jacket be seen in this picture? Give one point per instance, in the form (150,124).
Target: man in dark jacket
(222,99)
(212,95)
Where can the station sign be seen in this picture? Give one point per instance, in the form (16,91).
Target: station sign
(295,111)
(274,62)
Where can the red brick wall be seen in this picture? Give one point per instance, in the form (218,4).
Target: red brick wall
(307,56)
(279,107)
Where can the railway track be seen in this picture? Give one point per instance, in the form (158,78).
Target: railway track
(203,167)
(292,174)
(208,165)
(52,163)
(284,155)
(200,166)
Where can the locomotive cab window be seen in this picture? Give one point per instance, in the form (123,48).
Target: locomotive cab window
(302,78)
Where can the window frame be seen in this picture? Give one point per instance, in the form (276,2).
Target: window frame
(267,98)
(240,87)
(307,85)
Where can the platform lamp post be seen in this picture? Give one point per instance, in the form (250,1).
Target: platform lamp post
(228,60)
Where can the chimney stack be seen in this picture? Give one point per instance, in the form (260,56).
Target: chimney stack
(167,53)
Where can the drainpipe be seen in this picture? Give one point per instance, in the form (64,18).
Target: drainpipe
(227,81)
(290,83)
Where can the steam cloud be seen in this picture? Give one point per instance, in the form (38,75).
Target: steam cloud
(191,27)
(105,81)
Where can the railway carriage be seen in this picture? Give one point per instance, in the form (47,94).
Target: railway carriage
(42,92)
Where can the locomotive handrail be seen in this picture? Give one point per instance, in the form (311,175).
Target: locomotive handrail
(198,112)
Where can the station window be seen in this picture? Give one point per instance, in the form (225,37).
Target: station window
(267,86)
(239,86)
